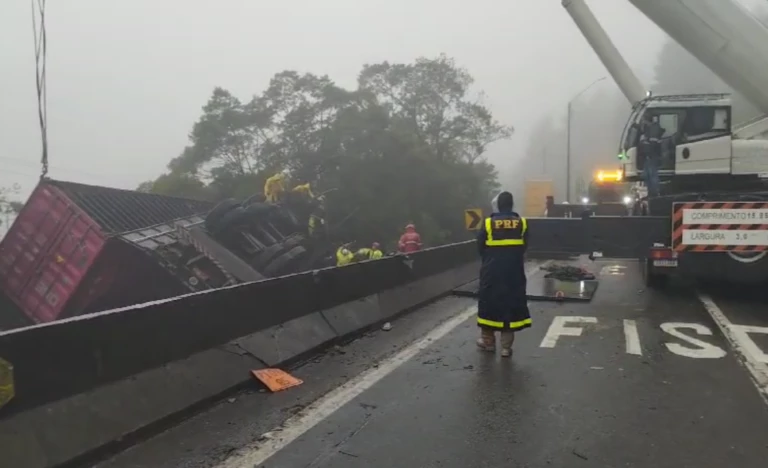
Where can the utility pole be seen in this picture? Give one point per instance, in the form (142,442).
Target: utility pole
(568,140)
(568,154)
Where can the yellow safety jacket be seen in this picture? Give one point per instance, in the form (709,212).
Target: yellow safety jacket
(315,221)
(274,187)
(505,231)
(305,189)
(376,254)
(344,256)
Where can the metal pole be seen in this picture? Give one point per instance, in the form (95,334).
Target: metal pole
(568,155)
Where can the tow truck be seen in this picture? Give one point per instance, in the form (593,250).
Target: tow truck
(608,194)
(710,219)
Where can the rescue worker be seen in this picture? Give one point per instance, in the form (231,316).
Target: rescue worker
(502,304)
(344,256)
(304,189)
(410,241)
(274,187)
(372,253)
(316,223)
(376,252)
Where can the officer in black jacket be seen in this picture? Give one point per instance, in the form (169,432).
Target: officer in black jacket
(502,305)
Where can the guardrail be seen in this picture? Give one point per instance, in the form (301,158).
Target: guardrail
(52,361)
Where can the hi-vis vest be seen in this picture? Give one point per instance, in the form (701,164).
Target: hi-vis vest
(344,256)
(505,230)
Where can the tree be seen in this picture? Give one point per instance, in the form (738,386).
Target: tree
(406,146)
(430,99)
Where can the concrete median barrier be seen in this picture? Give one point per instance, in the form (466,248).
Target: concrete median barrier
(97,382)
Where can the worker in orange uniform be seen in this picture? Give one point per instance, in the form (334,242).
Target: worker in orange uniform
(410,241)
(502,298)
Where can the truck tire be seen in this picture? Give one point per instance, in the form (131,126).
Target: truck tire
(255,198)
(219,211)
(283,263)
(233,218)
(266,256)
(650,279)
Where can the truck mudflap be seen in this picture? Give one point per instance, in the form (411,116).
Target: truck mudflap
(607,236)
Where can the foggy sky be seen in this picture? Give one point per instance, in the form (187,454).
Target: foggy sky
(127,78)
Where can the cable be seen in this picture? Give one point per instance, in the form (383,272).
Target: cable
(41,53)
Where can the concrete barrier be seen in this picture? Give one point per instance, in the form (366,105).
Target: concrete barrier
(85,387)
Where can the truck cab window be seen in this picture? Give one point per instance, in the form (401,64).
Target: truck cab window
(669,123)
(706,122)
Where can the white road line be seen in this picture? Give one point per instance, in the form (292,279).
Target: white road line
(632,337)
(257,453)
(741,345)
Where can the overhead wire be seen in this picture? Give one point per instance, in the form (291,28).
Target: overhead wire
(41,54)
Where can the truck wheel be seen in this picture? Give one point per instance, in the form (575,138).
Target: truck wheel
(267,255)
(231,219)
(283,263)
(653,280)
(292,241)
(255,198)
(219,211)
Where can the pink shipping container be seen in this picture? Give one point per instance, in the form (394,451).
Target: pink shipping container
(63,255)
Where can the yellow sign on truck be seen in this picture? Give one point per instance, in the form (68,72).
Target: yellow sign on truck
(535,197)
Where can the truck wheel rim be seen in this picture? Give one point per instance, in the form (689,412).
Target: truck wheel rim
(747,257)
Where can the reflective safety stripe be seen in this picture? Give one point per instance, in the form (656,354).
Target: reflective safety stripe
(512,325)
(491,242)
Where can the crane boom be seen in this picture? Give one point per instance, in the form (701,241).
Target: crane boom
(722,35)
(602,45)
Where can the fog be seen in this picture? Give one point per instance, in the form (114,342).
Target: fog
(127,79)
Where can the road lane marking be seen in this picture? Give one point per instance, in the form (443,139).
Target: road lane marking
(741,343)
(257,453)
(632,338)
(703,349)
(557,329)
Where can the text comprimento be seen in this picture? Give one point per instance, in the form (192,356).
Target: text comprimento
(725,216)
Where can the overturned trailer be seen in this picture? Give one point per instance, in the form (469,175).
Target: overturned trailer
(77,248)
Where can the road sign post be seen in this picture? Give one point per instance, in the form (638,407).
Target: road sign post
(473,218)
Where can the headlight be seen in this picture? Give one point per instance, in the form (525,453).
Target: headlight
(627,200)
(584,200)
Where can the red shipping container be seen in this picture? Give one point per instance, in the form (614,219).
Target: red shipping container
(63,246)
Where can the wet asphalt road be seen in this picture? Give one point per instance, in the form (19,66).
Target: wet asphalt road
(599,399)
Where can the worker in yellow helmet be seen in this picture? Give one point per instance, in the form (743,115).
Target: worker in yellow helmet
(274,188)
(344,256)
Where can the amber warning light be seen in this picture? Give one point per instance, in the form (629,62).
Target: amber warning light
(609,176)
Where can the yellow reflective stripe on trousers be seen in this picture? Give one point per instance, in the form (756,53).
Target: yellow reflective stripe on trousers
(495,324)
(495,243)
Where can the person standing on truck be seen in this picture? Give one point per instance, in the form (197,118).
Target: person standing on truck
(650,145)
(410,241)
(502,299)
(274,187)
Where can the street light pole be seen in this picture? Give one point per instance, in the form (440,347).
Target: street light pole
(568,140)
(568,155)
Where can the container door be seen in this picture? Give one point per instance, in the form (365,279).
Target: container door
(29,239)
(62,269)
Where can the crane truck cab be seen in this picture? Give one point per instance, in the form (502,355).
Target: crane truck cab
(696,138)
